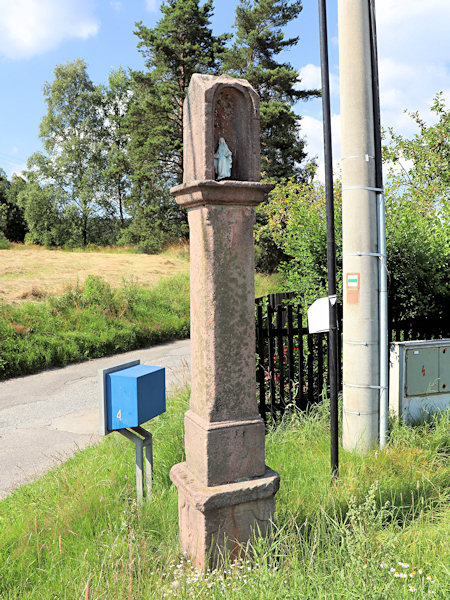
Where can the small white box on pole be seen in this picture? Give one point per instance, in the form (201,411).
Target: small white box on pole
(319,316)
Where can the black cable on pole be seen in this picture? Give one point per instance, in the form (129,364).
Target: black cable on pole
(379,185)
(331,242)
(375,96)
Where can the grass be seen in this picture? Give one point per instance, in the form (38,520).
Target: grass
(91,321)
(33,272)
(77,533)
(94,320)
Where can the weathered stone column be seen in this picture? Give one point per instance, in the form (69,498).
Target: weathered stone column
(225,491)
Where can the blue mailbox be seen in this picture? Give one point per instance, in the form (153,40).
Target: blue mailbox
(134,395)
(130,394)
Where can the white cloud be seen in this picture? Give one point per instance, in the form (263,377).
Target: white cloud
(115,5)
(30,27)
(414,57)
(414,65)
(152,5)
(16,167)
(311,78)
(312,132)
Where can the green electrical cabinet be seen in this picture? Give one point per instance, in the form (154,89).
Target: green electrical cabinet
(419,378)
(422,371)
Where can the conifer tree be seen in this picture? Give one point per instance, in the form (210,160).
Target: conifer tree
(181,44)
(259,39)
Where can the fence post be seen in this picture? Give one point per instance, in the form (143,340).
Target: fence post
(290,335)
(280,347)
(260,373)
(271,346)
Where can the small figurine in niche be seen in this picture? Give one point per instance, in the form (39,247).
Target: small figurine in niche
(222,160)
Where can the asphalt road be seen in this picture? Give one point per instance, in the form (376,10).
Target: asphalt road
(47,417)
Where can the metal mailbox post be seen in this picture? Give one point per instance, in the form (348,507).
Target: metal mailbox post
(131,394)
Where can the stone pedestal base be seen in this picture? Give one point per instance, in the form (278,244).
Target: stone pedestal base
(224,451)
(223,516)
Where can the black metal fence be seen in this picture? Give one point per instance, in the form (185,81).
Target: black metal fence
(425,328)
(292,365)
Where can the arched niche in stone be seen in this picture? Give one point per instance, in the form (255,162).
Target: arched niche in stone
(221,107)
(232,111)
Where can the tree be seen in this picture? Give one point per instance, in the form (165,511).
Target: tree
(180,45)
(420,166)
(72,132)
(296,223)
(118,171)
(259,39)
(44,214)
(417,192)
(12,222)
(4,192)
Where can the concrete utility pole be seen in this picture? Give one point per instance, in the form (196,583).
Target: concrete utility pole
(361,383)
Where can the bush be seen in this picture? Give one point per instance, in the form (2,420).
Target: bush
(418,247)
(4,244)
(296,222)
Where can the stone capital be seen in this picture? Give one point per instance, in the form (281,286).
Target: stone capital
(227,193)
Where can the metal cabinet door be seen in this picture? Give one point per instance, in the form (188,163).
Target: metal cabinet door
(422,371)
(444,368)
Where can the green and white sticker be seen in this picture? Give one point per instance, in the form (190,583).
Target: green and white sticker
(352,280)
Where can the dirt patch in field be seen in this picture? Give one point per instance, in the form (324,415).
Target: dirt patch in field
(31,273)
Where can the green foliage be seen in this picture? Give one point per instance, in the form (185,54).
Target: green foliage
(180,45)
(156,220)
(113,152)
(418,217)
(44,215)
(78,533)
(12,223)
(72,134)
(90,321)
(296,222)
(259,39)
(118,168)
(4,244)
(418,254)
(421,165)
(417,227)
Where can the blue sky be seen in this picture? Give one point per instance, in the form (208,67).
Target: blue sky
(36,35)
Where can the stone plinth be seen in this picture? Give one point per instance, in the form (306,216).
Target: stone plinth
(226,492)
(222,517)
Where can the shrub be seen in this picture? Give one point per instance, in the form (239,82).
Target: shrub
(418,248)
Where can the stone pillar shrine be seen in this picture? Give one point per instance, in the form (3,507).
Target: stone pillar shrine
(225,490)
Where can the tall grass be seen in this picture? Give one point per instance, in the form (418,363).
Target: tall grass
(94,320)
(78,533)
(90,321)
